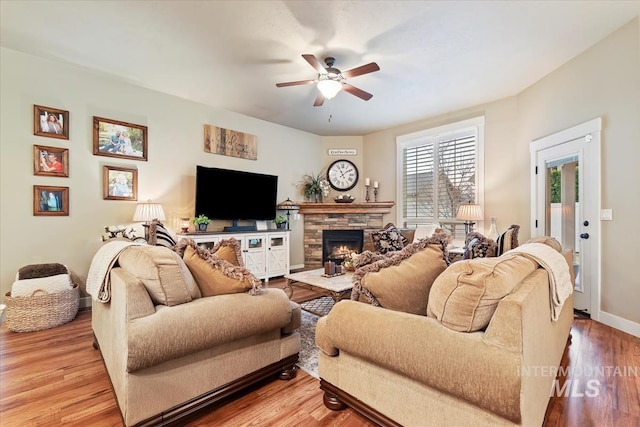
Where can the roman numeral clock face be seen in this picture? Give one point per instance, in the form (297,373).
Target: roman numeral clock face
(342,175)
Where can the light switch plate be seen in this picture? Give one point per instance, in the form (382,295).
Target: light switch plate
(606,214)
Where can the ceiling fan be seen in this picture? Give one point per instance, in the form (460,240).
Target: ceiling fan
(330,80)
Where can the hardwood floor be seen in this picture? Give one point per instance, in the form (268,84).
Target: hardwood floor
(55,377)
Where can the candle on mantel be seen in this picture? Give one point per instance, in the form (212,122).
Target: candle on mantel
(367,182)
(375,184)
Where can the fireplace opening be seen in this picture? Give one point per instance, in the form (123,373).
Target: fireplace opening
(338,244)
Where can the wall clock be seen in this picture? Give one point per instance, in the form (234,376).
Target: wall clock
(342,175)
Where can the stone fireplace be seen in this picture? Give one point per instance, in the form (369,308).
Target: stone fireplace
(339,244)
(365,217)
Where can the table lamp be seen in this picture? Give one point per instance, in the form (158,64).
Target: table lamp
(469,213)
(288,205)
(147,212)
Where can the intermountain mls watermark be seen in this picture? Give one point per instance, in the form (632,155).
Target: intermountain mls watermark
(578,381)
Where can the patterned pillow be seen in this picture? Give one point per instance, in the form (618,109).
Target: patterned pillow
(401,281)
(159,235)
(388,239)
(508,240)
(478,246)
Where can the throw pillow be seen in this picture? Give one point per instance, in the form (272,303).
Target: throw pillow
(507,240)
(229,250)
(478,246)
(402,280)
(165,276)
(466,295)
(367,257)
(388,239)
(214,275)
(159,235)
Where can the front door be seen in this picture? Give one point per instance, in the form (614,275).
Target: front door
(566,202)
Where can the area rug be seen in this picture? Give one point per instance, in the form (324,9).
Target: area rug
(308,351)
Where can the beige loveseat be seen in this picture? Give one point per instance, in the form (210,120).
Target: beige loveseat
(400,368)
(168,360)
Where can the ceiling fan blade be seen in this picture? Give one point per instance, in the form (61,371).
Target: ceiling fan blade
(357,92)
(313,61)
(319,100)
(363,69)
(300,82)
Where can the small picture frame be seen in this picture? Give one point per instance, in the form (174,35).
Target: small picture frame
(113,138)
(119,183)
(50,161)
(50,122)
(50,201)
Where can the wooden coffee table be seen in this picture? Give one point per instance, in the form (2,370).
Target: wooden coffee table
(337,287)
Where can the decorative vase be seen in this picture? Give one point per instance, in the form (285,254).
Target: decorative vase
(493,230)
(202,227)
(282,225)
(318,197)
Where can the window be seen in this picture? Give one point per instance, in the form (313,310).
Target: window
(438,169)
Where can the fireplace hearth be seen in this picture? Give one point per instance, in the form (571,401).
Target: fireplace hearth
(338,244)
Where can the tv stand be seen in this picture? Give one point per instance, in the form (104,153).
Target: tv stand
(234,227)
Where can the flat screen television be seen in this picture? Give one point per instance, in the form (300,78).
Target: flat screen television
(235,195)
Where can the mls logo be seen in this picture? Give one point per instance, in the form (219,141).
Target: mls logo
(571,388)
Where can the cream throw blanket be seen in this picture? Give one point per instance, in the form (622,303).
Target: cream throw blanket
(97,283)
(560,286)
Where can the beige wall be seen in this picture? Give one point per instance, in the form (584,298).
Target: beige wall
(175,148)
(604,81)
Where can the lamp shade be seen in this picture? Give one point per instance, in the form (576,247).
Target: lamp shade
(469,212)
(288,205)
(329,88)
(146,212)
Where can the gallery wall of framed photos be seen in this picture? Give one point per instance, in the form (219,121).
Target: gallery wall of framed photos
(111,138)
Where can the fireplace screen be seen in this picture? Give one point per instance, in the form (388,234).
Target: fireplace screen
(338,244)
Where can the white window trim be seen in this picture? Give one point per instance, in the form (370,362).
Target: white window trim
(416,138)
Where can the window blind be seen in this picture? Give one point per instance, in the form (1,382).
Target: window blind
(439,173)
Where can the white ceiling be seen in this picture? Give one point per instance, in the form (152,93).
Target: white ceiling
(434,56)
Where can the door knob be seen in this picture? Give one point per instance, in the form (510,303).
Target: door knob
(584,236)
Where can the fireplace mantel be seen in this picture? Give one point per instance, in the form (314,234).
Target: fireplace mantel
(346,208)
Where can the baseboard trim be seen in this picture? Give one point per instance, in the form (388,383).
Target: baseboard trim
(85,302)
(296,267)
(619,323)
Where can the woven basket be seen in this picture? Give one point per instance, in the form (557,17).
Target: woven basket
(41,311)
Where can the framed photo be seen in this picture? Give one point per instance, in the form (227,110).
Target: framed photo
(50,161)
(119,139)
(50,201)
(119,183)
(50,122)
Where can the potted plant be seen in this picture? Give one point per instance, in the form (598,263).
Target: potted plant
(281,221)
(202,221)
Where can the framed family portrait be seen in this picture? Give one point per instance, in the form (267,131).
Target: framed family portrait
(50,201)
(50,122)
(50,161)
(119,139)
(119,183)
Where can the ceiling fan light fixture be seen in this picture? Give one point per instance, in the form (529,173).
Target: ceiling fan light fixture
(329,88)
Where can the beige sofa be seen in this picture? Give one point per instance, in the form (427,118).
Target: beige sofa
(167,361)
(399,368)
